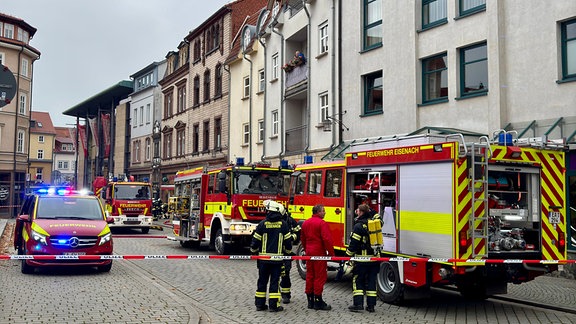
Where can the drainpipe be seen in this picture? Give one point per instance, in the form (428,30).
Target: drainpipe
(229,110)
(249,109)
(263,156)
(333,63)
(282,101)
(308,100)
(339,78)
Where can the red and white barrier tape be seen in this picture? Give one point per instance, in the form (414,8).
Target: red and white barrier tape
(254,257)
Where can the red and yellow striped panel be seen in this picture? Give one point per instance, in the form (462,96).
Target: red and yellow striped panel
(463,207)
(552,193)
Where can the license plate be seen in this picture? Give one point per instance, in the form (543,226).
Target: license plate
(74,253)
(554,217)
(132,219)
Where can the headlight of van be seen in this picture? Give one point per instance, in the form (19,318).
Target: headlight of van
(40,238)
(105,238)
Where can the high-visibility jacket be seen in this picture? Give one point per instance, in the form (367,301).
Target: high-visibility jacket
(272,237)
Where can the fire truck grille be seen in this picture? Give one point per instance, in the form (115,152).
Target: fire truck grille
(255,213)
(132,211)
(74,242)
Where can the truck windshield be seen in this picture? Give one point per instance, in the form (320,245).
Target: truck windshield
(129,192)
(68,208)
(262,182)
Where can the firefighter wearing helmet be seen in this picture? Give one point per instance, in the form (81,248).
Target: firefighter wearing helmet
(272,237)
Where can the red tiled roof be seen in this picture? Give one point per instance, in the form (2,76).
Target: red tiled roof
(43,123)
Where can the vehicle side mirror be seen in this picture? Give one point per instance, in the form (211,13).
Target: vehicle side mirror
(24,218)
(109,220)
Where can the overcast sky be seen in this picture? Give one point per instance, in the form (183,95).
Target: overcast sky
(88,46)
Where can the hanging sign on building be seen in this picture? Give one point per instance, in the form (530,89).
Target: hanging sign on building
(7,86)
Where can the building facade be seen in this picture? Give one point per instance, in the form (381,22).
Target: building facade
(41,153)
(64,161)
(146,106)
(196,93)
(18,56)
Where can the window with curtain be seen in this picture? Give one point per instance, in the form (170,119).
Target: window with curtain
(373,93)
(372,31)
(434,12)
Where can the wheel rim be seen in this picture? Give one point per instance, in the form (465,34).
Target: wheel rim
(219,244)
(387,279)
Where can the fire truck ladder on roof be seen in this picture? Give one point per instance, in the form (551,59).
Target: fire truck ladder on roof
(480,153)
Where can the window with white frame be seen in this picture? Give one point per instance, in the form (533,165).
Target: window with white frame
(275,64)
(323,35)
(63,165)
(275,123)
(148,149)
(40,154)
(260,131)
(1,58)
(20,142)
(141,115)
(323,103)
(24,69)
(261,81)
(246,133)
(40,138)
(246,87)
(135,118)
(8,30)
(148,113)
(22,104)
(39,172)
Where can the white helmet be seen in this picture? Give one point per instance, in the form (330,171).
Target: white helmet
(274,206)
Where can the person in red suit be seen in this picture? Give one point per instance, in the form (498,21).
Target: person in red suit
(317,241)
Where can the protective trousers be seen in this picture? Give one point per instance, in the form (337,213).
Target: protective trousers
(268,270)
(315,276)
(285,283)
(364,282)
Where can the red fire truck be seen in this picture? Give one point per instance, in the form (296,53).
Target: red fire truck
(223,205)
(128,203)
(446,202)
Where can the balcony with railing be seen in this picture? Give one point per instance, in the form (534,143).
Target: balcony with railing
(295,139)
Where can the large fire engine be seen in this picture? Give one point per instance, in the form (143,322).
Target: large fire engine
(446,202)
(128,203)
(223,205)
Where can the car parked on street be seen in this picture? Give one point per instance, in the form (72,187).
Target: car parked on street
(62,222)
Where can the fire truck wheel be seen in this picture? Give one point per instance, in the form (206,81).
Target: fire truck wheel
(105,268)
(389,287)
(145,230)
(301,264)
(25,268)
(220,247)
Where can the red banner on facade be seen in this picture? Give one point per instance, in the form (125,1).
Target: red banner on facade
(83,140)
(106,131)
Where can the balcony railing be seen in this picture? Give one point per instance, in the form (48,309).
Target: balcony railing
(297,75)
(295,139)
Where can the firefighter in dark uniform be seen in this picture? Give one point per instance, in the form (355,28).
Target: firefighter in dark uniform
(365,272)
(272,237)
(285,283)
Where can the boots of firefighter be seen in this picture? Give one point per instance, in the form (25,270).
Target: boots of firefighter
(310,301)
(286,298)
(275,305)
(358,301)
(319,304)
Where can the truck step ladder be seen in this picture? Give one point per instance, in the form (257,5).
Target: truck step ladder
(480,153)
